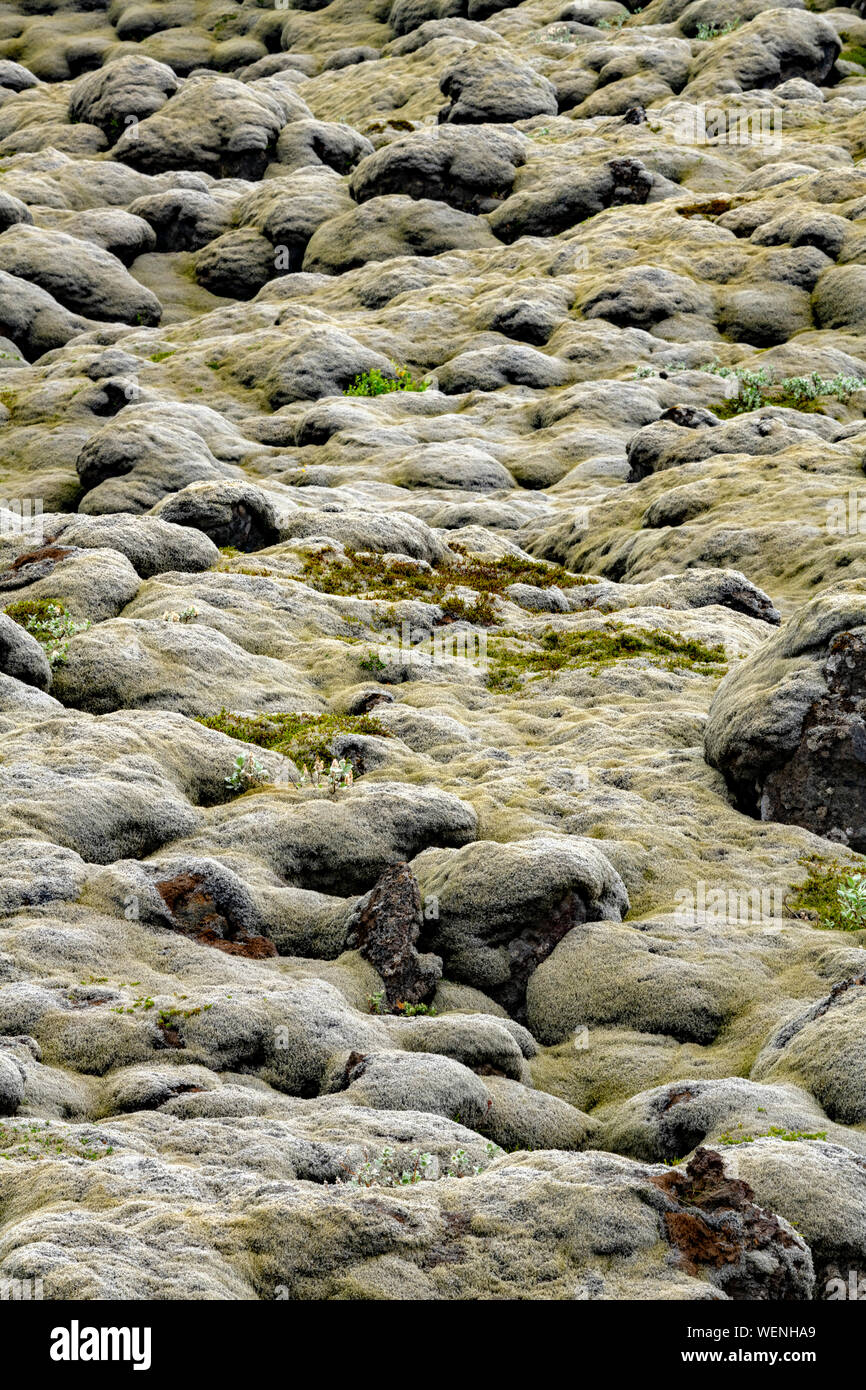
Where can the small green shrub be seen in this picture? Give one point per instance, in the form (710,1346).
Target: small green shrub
(50,623)
(379,1005)
(758,388)
(366,575)
(851,894)
(375,383)
(480,610)
(372,662)
(247,772)
(715,31)
(387,1170)
(339,777)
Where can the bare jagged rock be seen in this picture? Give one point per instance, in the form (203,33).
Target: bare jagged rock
(715,1225)
(385,927)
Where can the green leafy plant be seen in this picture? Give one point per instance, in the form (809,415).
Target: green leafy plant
(167,1018)
(852,901)
(339,776)
(372,662)
(247,772)
(556,33)
(187,615)
(757,388)
(715,31)
(375,383)
(379,1005)
(460,1164)
(393,1169)
(50,623)
(832,895)
(387,1170)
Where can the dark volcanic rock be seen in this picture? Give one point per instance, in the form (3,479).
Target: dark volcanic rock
(503,908)
(204,906)
(717,1229)
(385,927)
(788,727)
(237,514)
(570,198)
(823,786)
(472,169)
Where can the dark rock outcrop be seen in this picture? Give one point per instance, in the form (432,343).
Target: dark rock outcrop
(385,926)
(716,1228)
(788,727)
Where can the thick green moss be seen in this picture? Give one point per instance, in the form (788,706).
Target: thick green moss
(557,650)
(301,737)
(818,897)
(372,577)
(791,1136)
(29,611)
